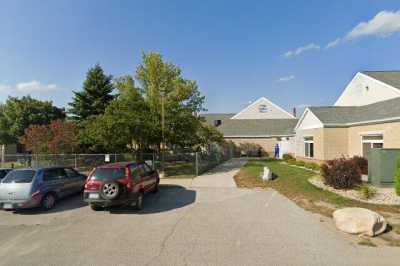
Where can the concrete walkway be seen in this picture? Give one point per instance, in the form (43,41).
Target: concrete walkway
(219,177)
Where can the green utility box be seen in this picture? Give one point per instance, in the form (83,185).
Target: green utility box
(382,166)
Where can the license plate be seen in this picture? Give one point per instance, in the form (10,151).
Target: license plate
(93,196)
(7,206)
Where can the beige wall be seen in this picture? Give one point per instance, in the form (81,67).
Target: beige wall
(390,131)
(331,143)
(268,144)
(335,143)
(317,133)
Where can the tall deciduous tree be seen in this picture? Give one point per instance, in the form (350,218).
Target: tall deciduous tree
(17,114)
(95,96)
(162,83)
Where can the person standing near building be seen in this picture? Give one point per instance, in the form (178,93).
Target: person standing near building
(276,155)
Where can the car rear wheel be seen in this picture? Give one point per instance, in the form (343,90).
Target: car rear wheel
(96,207)
(139,201)
(48,201)
(110,190)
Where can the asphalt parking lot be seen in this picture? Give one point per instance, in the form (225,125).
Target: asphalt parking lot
(183,225)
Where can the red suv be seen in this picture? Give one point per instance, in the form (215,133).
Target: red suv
(120,184)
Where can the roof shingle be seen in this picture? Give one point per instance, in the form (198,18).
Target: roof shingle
(342,115)
(391,78)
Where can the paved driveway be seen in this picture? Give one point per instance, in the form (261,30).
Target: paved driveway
(183,225)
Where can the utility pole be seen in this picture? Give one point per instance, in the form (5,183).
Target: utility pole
(163,131)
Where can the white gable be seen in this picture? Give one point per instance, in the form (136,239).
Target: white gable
(363,90)
(263,109)
(308,121)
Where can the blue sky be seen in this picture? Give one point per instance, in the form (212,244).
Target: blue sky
(236,50)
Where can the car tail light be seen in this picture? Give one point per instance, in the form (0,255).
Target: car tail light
(93,185)
(35,194)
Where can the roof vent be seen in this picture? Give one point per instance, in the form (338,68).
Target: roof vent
(217,122)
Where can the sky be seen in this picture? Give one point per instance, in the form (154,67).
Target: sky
(296,53)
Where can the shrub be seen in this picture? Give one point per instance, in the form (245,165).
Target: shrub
(286,157)
(300,163)
(367,192)
(341,173)
(397,177)
(313,166)
(361,163)
(291,161)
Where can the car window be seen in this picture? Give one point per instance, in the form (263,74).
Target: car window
(19,176)
(135,172)
(53,174)
(3,173)
(108,173)
(146,168)
(71,172)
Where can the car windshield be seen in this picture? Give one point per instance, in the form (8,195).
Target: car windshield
(19,176)
(108,173)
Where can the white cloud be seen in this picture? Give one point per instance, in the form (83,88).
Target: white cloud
(333,44)
(302,49)
(303,105)
(4,87)
(384,24)
(287,78)
(28,87)
(34,86)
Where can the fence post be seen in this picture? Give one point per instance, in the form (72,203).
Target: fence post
(76,162)
(197,163)
(154,162)
(3,154)
(115,157)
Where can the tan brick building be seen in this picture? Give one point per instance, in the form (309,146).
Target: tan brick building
(366,116)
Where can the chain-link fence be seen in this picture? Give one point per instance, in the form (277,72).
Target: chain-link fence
(176,164)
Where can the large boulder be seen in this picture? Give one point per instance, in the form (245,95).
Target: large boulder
(359,221)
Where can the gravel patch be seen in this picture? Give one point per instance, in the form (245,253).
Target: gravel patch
(384,196)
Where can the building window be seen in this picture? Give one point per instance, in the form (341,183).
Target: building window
(262,108)
(309,147)
(371,142)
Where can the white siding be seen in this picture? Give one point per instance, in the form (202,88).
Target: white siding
(272,111)
(363,90)
(308,120)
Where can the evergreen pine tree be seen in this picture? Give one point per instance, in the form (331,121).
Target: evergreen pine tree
(95,96)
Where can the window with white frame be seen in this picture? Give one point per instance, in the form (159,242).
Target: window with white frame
(309,147)
(371,142)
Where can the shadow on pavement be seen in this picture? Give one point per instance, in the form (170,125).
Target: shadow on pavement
(169,197)
(69,203)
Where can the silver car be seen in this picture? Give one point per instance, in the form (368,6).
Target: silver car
(42,187)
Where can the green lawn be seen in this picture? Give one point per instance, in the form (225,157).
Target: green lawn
(180,169)
(292,182)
